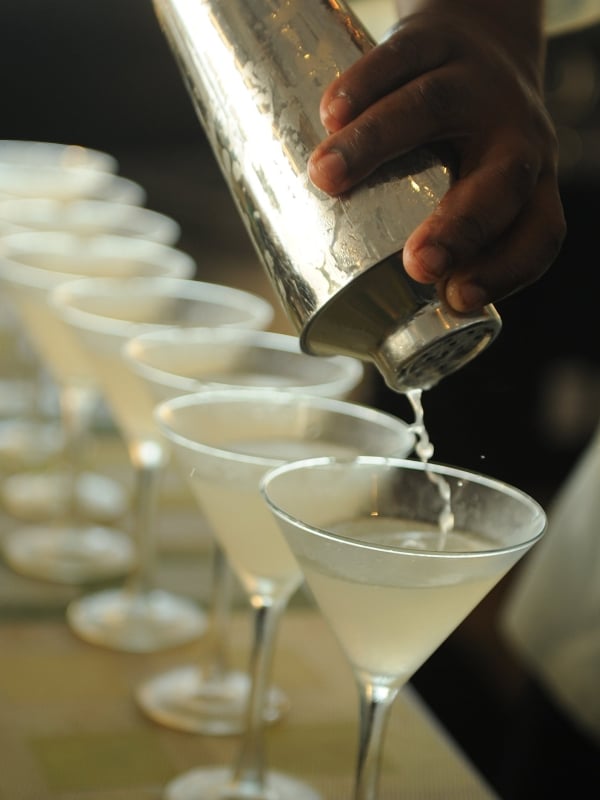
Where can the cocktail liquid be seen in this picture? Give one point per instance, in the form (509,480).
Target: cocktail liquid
(424,449)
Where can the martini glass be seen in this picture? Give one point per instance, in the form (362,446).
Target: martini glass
(104,314)
(391,581)
(70,549)
(211,697)
(31,437)
(226,440)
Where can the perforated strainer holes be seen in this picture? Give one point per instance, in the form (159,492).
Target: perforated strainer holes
(443,356)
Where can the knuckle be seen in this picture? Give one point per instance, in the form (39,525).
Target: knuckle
(515,161)
(520,172)
(405,48)
(442,99)
(472,232)
(363,139)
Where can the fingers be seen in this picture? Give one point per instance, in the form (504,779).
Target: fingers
(396,61)
(398,80)
(475,211)
(427,109)
(517,259)
(439,83)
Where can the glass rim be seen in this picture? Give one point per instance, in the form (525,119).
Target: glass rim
(418,466)
(283,396)
(258,311)
(15,269)
(20,212)
(37,241)
(59,153)
(350,370)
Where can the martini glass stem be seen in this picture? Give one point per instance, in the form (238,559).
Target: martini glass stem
(249,772)
(375,704)
(148,459)
(220,615)
(77,404)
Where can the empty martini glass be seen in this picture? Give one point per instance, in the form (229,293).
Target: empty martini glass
(30,436)
(391,582)
(105,314)
(211,697)
(226,440)
(70,549)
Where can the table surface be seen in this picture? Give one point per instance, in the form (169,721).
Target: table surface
(70,728)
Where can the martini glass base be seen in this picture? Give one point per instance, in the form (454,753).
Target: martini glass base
(136,623)
(216,784)
(69,555)
(35,496)
(186,699)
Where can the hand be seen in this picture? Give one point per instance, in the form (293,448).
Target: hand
(454,75)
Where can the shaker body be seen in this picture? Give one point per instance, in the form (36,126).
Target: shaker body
(256,70)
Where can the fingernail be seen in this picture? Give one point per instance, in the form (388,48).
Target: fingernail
(473,296)
(339,110)
(331,166)
(466,296)
(434,260)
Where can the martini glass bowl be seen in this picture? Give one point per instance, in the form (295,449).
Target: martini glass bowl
(390,581)
(69,548)
(211,697)
(104,315)
(226,440)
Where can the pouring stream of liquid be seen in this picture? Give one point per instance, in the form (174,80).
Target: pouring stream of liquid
(424,450)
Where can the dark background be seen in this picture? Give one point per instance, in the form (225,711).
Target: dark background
(99,73)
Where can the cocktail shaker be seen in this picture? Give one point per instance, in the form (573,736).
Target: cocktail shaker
(256,70)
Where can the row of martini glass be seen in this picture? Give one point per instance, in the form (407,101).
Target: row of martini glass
(294,480)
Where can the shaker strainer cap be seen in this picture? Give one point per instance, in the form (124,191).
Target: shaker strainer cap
(413,337)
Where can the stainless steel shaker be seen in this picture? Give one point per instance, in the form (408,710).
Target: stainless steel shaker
(256,70)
